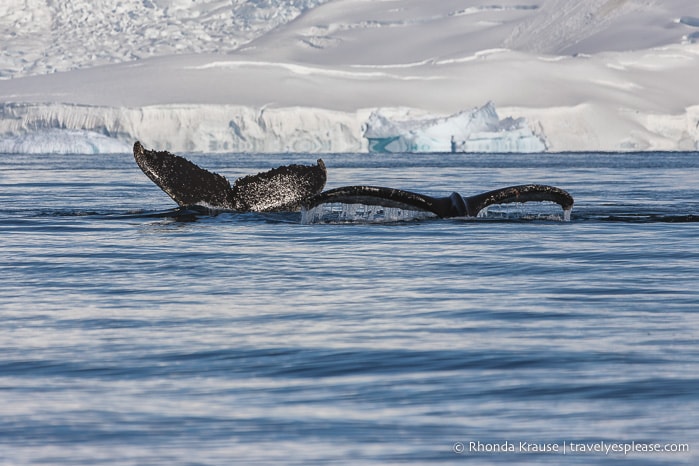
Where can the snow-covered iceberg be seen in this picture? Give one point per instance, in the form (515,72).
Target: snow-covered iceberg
(477,130)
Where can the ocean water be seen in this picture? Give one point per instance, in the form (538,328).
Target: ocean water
(135,334)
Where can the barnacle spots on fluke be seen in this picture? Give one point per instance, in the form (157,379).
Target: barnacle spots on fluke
(281,189)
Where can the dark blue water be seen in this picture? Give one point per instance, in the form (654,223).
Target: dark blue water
(134,335)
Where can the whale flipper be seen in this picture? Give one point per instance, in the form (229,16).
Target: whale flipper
(279,189)
(186,183)
(453,205)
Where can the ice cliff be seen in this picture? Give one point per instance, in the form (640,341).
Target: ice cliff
(70,128)
(65,128)
(61,128)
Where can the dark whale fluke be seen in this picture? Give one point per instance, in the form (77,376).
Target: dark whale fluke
(186,183)
(280,189)
(453,205)
(521,193)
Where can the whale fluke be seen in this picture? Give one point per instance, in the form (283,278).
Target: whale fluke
(186,183)
(521,193)
(453,205)
(279,189)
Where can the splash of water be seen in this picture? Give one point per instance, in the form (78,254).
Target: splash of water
(526,211)
(360,213)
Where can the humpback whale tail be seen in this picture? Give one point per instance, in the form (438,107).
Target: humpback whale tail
(453,205)
(279,189)
(292,187)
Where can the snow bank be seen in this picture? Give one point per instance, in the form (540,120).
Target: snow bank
(477,130)
(41,37)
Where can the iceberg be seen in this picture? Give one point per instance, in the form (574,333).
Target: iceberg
(477,130)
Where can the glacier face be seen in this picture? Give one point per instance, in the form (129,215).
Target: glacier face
(63,128)
(477,130)
(69,128)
